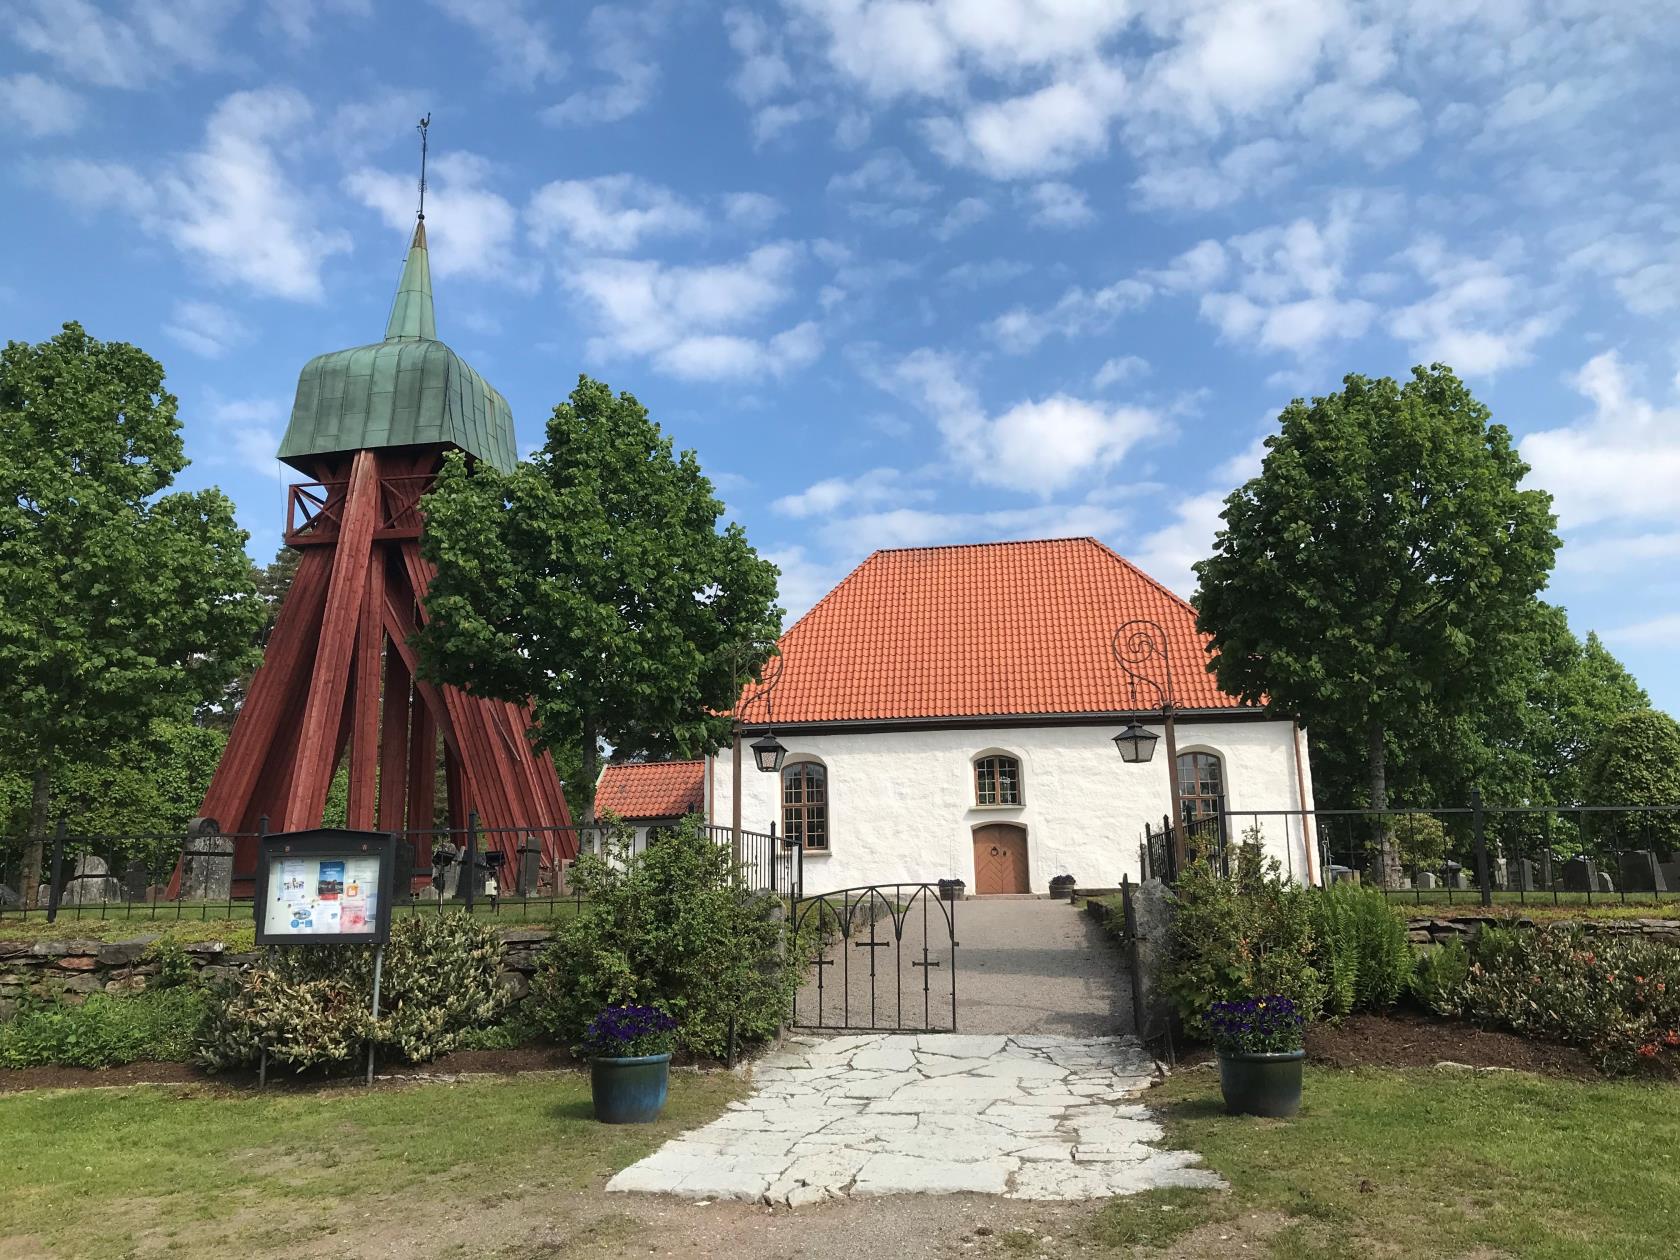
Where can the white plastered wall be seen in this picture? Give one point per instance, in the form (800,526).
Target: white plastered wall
(901,805)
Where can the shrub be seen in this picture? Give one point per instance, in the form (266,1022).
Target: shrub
(1263,1025)
(310,1004)
(1438,982)
(1360,949)
(1617,997)
(669,927)
(104,1031)
(1232,938)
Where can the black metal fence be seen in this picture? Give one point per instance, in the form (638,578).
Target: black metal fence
(1483,854)
(518,872)
(883,959)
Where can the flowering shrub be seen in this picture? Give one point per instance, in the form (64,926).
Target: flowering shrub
(626,1032)
(1618,998)
(1264,1025)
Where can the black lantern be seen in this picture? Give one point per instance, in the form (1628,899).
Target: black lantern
(1135,743)
(768,753)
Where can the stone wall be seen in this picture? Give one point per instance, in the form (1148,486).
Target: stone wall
(67,971)
(1424,930)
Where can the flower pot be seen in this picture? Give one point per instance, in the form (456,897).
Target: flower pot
(629,1091)
(1261,1084)
(951,889)
(1061,888)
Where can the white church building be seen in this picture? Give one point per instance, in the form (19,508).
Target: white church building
(950,712)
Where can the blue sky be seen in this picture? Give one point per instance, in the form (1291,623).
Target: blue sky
(902,271)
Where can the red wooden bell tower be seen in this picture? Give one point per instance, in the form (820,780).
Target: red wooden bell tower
(339,677)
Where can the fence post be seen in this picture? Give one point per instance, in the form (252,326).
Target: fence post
(1483,878)
(775,855)
(55,877)
(470,874)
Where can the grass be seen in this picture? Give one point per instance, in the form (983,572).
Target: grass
(194,922)
(1421,1164)
(206,1173)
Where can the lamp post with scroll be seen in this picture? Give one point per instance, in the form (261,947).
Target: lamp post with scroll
(767,751)
(1136,645)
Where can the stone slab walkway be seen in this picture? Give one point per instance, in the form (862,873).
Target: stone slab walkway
(1028,1116)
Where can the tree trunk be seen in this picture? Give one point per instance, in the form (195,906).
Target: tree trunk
(590,770)
(40,809)
(1387,869)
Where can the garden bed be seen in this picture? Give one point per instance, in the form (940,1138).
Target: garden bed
(1408,1039)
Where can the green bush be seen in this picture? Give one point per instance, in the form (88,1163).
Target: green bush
(1360,949)
(310,1004)
(669,927)
(1617,997)
(1242,937)
(105,1030)
(1438,982)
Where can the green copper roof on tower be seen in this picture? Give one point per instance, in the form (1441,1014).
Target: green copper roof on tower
(411,313)
(408,390)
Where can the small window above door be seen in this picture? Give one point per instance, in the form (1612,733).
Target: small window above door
(997,780)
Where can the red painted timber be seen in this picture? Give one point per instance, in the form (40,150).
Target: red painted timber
(393,744)
(307,797)
(364,739)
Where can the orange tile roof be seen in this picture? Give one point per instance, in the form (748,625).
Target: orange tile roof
(652,789)
(1001,629)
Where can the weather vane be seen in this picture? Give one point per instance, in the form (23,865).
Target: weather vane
(421,128)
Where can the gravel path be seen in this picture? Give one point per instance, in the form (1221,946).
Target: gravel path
(1026,1117)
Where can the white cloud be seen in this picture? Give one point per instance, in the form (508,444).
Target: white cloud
(692,321)
(1168,553)
(522,44)
(145,40)
(39,106)
(1078,312)
(962,216)
(1479,318)
(886,176)
(1621,463)
(866,490)
(1382,125)
(295,19)
(1053,128)
(206,328)
(1058,205)
(1120,371)
(764,71)
(610,212)
(244,432)
(1198,186)
(753,211)
(1656,632)
(621,37)
(470,229)
(771,122)
(233,204)
(1039,446)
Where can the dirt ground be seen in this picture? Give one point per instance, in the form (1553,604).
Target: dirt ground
(1403,1039)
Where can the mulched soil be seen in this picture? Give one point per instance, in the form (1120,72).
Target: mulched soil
(14,1079)
(1405,1039)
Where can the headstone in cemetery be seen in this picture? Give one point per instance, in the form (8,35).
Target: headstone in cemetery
(206,862)
(1524,875)
(1428,879)
(137,881)
(1580,874)
(1338,874)
(1605,883)
(90,884)
(530,865)
(451,872)
(1671,874)
(8,896)
(1641,873)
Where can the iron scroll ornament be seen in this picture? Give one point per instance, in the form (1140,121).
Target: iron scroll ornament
(1136,645)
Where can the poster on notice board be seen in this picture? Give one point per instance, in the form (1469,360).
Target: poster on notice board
(328,886)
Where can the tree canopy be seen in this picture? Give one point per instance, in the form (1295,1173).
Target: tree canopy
(1636,761)
(594,581)
(1373,578)
(119,603)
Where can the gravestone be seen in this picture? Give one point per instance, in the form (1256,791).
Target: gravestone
(1498,871)
(1580,874)
(1339,874)
(451,873)
(1605,883)
(1671,874)
(90,884)
(1641,873)
(1428,879)
(206,863)
(137,881)
(1525,876)
(8,896)
(530,866)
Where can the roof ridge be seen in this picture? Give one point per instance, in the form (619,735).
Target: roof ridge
(1153,581)
(968,546)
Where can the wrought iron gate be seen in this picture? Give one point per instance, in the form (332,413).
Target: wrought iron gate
(880,959)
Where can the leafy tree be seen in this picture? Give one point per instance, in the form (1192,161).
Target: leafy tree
(1636,761)
(119,603)
(1373,576)
(272,582)
(594,580)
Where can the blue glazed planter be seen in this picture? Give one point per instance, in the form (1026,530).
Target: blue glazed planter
(1261,1084)
(629,1091)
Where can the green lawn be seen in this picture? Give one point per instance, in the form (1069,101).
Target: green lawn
(206,1173)
(1420,1164)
